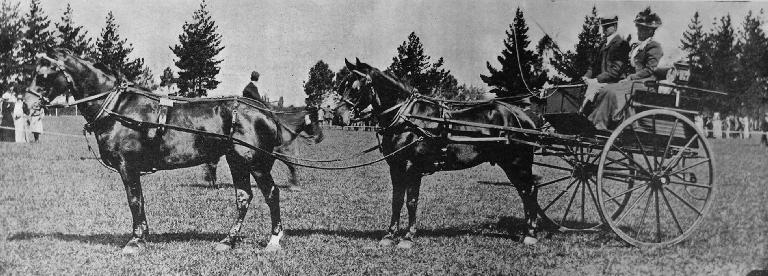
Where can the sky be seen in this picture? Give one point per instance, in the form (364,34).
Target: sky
(282,39)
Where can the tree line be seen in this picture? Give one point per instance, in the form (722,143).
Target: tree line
(23,36)
(721,59)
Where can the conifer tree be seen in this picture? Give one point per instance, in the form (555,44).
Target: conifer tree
(722,63)
(167,77)
(752,69)
(71,36)
(199,44)
(319,82)
(695,46)
(112,51)
(10,36)
(413,66)
(517,76)
(38,38)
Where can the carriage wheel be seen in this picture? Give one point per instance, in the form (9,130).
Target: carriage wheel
(566,191)
(670,176)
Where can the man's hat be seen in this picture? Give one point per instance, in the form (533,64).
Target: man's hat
(254,76)
(648,19)
(608,20)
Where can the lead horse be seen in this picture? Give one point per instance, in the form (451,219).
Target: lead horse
(115,114)
(394,104)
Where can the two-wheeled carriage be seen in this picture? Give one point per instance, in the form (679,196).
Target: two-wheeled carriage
(650,180)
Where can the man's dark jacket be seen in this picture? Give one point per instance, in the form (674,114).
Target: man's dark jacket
(614,57)
(251,91)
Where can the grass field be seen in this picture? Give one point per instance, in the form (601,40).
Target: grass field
(60,214)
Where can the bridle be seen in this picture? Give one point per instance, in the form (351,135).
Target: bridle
(57,67)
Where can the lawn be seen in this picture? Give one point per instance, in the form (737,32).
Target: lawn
(63,213)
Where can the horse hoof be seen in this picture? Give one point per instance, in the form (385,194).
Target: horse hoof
(386,242)
(530,240)
(405,244)
(271,248)
(133,247)
(221,246)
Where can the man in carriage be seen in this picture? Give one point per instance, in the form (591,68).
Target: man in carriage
(611,99)
(609,66)
(251,91)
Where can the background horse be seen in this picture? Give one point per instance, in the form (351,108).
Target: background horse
(132,148)
(393,101)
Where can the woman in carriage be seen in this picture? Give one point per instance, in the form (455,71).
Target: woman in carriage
(644,58)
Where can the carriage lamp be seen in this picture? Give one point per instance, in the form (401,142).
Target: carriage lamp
(682,72)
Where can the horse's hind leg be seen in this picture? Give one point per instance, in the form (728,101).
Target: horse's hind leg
(272,197)
(243,193)
(132,182)
(523,179)
(209,173)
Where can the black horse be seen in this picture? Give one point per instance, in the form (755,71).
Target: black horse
(393,102)
(132,148)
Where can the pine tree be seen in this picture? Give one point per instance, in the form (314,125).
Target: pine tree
(10,36)
(722,63)
(412,66)
(320,81)
(198,47)
(752,70)
(572,65)
(38,38)
(112,51)
(71,36)
(167,77)
(517,76)
(694,45)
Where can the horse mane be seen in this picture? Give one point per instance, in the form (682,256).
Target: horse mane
(393,81)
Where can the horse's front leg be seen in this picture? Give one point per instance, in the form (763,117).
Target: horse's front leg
(397,173)
(524,181)
(272,197)
(243,196)
(413,182)
(132,182)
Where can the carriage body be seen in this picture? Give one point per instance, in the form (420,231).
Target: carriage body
(650,179)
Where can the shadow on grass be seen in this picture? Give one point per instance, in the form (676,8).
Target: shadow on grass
(208,186)
(118,239)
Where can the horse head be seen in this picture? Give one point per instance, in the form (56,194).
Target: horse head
(61,72)
(374,87)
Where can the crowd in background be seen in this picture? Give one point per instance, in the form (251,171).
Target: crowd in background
(731,126)
(18,122)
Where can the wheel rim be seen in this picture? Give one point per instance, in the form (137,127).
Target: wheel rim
(566,192)
(666,179)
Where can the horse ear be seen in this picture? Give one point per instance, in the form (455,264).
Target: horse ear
(357,61)
(350,66)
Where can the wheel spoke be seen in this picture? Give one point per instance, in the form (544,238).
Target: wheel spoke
(638,166)
(617,174)
(592,194)
(679,154)
(683,200)
(690,166)
(559,195)
(642,217)
(583,202)
(669,141)
(624,192)
(553,181)
(568,208)
(658,216)
(642,147)
(671,212)
(632,206)
(690,184)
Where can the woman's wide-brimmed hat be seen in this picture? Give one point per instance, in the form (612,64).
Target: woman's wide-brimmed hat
(647,18)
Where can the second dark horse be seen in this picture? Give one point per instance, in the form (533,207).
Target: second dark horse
(393,102)
(131,148)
